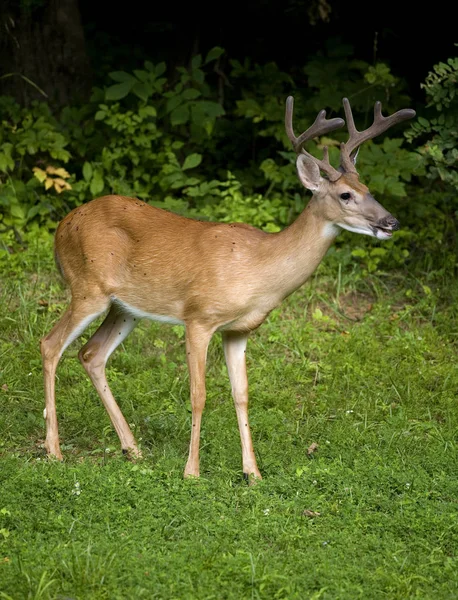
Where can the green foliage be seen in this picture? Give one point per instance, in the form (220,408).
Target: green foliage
(235,206)
(139,158)
(439,132)
(211,145)
(112,144)
(29,137)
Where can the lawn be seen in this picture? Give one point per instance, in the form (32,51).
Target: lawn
(353,406)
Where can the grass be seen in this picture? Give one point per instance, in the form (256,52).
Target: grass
(363,367)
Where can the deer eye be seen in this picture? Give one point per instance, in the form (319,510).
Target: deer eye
(345,196)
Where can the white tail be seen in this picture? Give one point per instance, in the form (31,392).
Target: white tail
(123,256)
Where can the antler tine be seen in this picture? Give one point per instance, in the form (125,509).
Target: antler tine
(380,125)
(320,126)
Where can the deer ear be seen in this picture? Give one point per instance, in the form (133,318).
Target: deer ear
(309,173)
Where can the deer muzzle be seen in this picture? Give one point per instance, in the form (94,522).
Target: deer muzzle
(385,227)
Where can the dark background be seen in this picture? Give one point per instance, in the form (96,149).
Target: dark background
(410,36)
(66,46)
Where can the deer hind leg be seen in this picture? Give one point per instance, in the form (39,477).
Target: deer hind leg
(72,324)
(234,345)
(197,340)
(94,356)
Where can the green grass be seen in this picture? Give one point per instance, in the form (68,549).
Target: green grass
(365,368)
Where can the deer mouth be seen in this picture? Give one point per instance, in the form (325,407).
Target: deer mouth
(382,233)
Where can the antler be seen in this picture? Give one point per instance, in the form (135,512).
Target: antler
(319,127)
(356,138)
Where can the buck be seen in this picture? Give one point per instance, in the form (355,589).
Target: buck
(121,255)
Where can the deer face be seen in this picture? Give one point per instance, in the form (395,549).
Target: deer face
(347,202)
(343,200)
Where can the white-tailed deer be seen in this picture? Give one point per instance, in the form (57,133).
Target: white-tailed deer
(123,256)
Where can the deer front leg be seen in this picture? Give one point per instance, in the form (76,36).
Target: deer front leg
(197,340)
(234,345)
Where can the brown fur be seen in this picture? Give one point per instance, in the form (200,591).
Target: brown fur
(123,256)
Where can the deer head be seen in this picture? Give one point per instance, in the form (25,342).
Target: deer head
(344,200)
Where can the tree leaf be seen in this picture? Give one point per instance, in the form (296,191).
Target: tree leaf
(97,183)
(121,76)
(212,109)
(160,69)
(60,171)
(39,174)
(213,54)
(64,185)
(173,102)
(180,115)
(147,111)
(192,161)
(141,75)
(87,171)
(142,91)
(196,61)
(120,90)
(17,211)
(198,75)
(191,94)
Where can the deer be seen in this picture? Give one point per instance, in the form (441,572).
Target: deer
(130,260)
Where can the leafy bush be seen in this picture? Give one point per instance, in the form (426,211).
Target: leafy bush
(213,146)
(30,138)
(439,132)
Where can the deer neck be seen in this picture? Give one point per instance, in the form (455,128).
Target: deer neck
(299,249)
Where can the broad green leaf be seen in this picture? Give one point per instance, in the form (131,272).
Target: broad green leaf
(142,91)
(159,84)
(160,69)
(39,174)
(120,90)
(6,162)
(122,76)
(192,161)
(397,188)
(180,115)
(213,54)
(191,94)
(97,183)
(87,171)
(196,61)
(359,252)
(147,111)
(17,211)
(33,211)
(203,112)
(213,109)
(198,75)
(142,75)
(173,102)
(379,251)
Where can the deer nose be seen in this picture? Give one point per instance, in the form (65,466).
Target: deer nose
(389,222)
